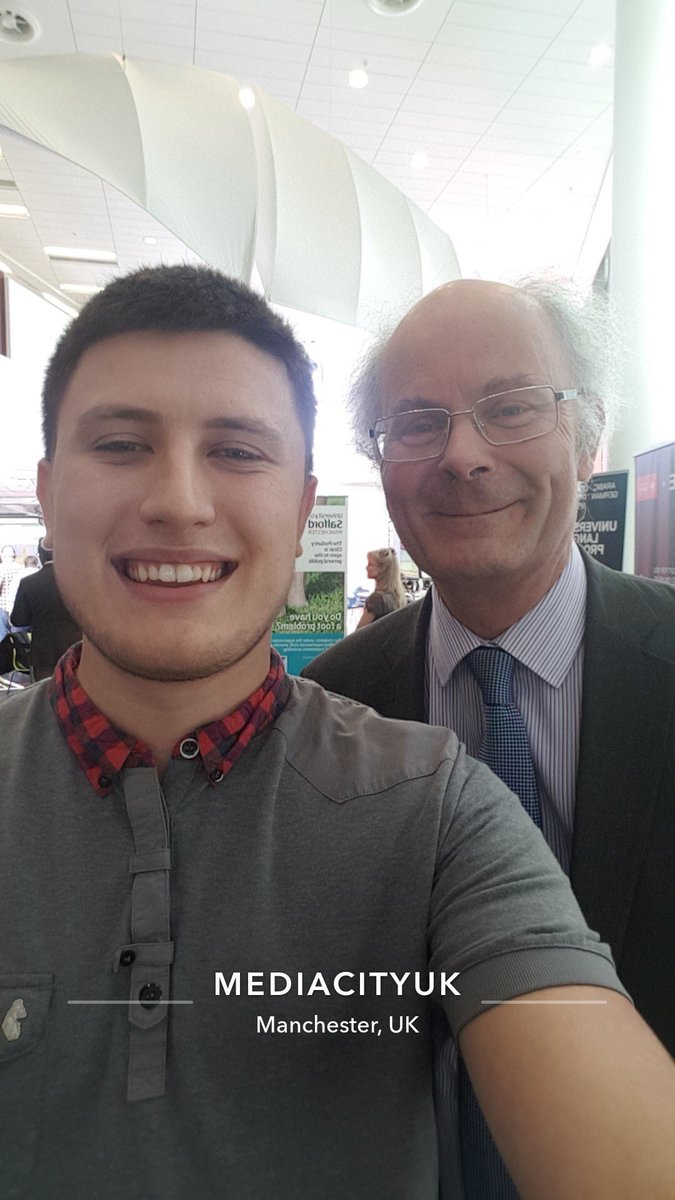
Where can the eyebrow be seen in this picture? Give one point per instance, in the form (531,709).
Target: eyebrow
(506,383)
(146,416)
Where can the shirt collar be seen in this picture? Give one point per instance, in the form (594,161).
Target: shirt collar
(546,640)
(102,750)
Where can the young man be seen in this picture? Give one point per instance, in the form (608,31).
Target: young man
(231,906)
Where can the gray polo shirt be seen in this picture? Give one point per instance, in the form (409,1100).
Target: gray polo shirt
(343,852)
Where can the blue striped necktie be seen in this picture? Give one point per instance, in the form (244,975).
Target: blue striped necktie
(505,749)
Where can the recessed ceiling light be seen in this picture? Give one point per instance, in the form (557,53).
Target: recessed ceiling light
(15,27)
(66,308)
(13,210)
(150,241)
(358,78)
(600,55)
(81,289)
(246,97)
(393,8)
(419,161)
(72,254)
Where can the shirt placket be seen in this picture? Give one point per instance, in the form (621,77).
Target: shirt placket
(150,952)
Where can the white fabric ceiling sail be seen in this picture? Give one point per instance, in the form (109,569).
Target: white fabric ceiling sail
(199,160)
(329,235)
(308,215)
(335,237)
(81,107)
(174,139)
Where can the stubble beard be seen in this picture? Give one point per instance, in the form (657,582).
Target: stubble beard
(191,666)
(197,666)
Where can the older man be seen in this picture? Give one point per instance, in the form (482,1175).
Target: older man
(485,410)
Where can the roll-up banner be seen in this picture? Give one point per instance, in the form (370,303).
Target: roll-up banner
(314,616)
(601,527)
(655,513)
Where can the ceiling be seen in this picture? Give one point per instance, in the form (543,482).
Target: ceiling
(514,124)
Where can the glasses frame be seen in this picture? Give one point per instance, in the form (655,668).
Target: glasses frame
(559,397)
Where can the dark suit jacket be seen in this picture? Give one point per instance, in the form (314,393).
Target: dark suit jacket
(38,603)
(623,851)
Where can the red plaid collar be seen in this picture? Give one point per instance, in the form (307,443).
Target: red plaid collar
(102,750)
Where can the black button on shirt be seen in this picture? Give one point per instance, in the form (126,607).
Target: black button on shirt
(189,748)
(150,994)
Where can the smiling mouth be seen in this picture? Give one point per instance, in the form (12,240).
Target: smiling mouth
(173,574)
(484,512)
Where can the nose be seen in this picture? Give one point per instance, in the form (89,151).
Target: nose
(177,490)
(466,454)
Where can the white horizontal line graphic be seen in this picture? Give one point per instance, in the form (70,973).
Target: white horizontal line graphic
(544,1002)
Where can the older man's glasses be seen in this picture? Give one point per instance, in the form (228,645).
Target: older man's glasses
(502,419)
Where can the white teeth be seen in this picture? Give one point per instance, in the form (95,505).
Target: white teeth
(174,572)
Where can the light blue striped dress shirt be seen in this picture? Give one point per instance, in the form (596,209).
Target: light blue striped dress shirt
(547,644)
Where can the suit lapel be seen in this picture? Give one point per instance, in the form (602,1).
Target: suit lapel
(402,692)
(626,690)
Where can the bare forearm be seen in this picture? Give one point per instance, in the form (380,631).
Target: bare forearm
(580,1097)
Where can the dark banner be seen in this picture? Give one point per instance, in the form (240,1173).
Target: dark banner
(601,526)
(655,513)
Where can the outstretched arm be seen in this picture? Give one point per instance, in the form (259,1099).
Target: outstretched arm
(580,1097)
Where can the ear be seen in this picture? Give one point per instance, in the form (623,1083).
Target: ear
(44,495)
(306,506)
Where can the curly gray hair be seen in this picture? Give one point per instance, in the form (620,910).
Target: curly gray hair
(588,335)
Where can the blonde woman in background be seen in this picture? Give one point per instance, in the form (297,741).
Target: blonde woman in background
(389,594)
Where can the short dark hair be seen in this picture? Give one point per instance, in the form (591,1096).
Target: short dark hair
(179,299)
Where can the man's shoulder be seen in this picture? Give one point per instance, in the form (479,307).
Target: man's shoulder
(40,582)
(391,637)
(29,731)
(24,707)
(637,609)
(346,749)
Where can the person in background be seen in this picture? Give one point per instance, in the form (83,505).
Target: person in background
(484,410)
(39,607)
(30,566)
(389,594)
(10,573)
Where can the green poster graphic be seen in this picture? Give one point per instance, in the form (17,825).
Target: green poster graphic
(314,615)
